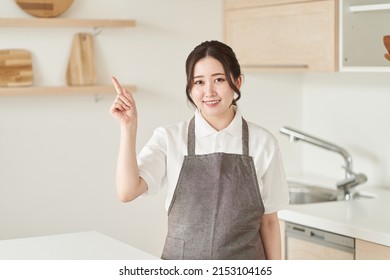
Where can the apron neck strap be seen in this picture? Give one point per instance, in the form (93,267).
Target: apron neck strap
(245,138)
(191,138)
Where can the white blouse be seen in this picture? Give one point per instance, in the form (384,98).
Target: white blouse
(160,160)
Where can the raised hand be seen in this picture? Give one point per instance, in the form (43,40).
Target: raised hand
(123,108)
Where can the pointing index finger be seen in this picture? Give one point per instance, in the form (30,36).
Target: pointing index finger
(117,86)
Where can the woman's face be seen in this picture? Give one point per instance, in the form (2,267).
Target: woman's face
(211,91)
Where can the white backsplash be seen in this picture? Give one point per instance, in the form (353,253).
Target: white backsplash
(352,111)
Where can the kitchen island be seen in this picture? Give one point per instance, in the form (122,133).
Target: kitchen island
(90,245)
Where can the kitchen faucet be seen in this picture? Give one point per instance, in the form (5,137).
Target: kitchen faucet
(351,178)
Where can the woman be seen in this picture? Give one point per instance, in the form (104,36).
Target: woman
(224,175)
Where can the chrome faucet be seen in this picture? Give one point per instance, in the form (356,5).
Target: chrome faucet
(347,184)
(351,178)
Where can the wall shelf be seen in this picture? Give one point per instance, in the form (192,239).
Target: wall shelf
(63,90)
(65,22)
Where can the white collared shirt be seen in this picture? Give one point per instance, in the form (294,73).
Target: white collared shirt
(160,160)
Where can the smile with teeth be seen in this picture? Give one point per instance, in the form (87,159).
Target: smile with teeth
(211,102)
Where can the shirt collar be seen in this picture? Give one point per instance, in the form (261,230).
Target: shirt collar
(203,128)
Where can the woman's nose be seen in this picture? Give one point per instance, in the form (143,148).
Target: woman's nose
(209,90)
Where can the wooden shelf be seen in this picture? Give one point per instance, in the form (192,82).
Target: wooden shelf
(65,22)
(63,90)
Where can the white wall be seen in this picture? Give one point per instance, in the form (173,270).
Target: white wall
(58,153)
(351,110)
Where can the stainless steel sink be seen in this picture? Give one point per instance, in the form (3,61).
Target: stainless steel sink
(302,194)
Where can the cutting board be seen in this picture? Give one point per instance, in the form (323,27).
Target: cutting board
(44,8)
(15,68)
(81,65)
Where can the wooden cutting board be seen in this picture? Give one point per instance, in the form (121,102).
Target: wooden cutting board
(15,68)
(81,69)
(44,8)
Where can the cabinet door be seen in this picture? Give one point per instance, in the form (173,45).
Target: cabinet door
(371,251)
(294,37)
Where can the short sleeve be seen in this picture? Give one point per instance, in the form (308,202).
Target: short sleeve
(275,191)
(152,162)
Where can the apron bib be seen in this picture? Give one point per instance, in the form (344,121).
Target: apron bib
(216,208)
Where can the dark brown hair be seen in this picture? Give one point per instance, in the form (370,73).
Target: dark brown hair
(221,52)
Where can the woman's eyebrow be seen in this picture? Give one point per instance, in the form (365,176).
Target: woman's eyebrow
(212,75)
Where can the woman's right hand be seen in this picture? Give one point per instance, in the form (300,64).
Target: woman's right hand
(123,108)
(128,182)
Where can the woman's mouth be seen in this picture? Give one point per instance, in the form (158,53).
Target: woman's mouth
(211,102)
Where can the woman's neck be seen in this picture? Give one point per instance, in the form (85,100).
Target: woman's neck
(220,122)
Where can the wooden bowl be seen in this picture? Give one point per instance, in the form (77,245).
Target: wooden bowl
(386,41)
(44,8)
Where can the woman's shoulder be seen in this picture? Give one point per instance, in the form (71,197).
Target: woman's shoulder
(259,133)
(173,130)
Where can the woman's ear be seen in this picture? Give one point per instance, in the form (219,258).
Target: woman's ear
(238,82)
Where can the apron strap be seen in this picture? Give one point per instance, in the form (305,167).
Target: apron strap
(245,138)
(191,138)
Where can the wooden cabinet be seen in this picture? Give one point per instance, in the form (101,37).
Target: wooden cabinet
(298,247)
(283,35)
(63,23)
(306,243)
(304,250)
(371,251)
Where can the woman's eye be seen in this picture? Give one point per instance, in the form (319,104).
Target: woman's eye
(198,82)
(219,80)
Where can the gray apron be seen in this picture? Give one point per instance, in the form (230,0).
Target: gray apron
(216,208)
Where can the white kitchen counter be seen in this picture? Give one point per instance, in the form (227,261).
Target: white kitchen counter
(89,245)
(363,218)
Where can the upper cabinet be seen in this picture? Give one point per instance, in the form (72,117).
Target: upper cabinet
(363,24)
(283,35)
(308,35)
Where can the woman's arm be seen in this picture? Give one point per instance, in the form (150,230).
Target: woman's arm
(270,236)
(128,183)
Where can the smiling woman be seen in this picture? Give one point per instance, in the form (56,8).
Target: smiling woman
(224,175)
(212,94)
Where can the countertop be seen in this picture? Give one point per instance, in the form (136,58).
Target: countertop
(90,245)
(363,218)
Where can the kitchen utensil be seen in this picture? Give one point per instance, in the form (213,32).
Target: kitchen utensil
(44,8)
(81,66)
(15,68)
(386,41)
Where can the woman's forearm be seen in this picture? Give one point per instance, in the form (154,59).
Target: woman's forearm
(270,236)
(129,184)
